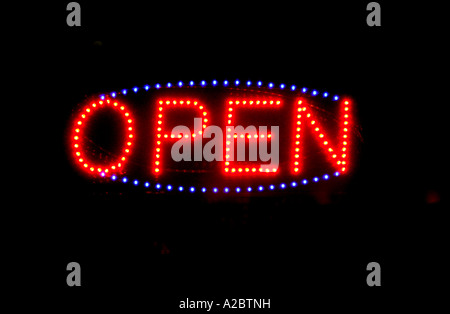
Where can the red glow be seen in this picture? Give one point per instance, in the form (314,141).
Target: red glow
(313,137)
(337,154)
(78,138)
(164,104)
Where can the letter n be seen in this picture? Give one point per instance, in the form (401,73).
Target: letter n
(337,152)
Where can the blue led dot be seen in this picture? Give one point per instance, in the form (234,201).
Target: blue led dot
(336,173)
(180,188)
(146,184)
(293,87)
(336,97)
(272,187)
(249,189)
(113,177)
(203,190)
(294,184)
(260,188)
(259,83)
(135,89)
(113,94)
(270,85)
(282,185)
(215,190)
(124,180)
(169,187)
(192,189)
(135,182)
(325,94)
(180,83)
(191,83)
(304,89)
(314,92)
(249,83)
(225,83)
(325,176)
(238,190)
(169,85)
(236,82)
(305,182)
(316,179)
(102,174)
(124,91)
(102,97)
(214,82)
(282,86)
(147,87)
(203,83)
(158,186)
(226,190)
(158,86)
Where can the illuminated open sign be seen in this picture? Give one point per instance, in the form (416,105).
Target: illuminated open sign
(214,136)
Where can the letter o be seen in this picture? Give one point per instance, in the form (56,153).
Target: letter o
(77,138)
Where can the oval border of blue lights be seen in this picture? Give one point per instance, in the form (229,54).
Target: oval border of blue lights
(225,83)
(159,187)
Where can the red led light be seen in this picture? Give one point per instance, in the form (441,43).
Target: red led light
(178,104)
(337,154)
(252,138)
(315,139)
(78,137)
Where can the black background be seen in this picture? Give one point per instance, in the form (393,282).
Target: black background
(150,253)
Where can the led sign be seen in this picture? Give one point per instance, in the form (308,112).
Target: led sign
(229,137)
